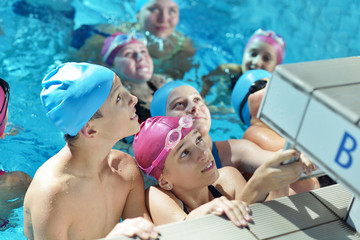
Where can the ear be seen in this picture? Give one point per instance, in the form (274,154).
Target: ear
(164,183)
(88,130)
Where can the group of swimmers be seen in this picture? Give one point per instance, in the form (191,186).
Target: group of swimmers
(90,190)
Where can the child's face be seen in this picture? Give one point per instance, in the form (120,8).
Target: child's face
(191,164)
(259,55)
(159,17)
(134,62)
(186,100)
(119,115)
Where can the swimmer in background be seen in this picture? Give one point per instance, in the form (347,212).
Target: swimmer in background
(127,55)
(247,95)
(172,151)
(13,184)
(177,99)
(156,19)
(85,189)
(264,50)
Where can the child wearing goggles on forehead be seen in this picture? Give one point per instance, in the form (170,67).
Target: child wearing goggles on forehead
(178,99)
(175,153)
(264,50)
(13,184)
(127,55)
(156,19)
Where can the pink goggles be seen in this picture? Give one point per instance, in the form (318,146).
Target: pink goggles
(172,139)
(117,41)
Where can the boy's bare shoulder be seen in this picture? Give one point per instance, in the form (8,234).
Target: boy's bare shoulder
(123,163)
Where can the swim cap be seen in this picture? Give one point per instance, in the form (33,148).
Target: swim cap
(117,41)
(241,91)
(140,3)
(149,142)
(73,92)
(4,100)
(272,38)
(158,104)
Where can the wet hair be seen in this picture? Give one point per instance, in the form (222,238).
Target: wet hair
(71,139)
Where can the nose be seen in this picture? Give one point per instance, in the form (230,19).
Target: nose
(138,56)
(257,61)
(163,16)
(193,108)
(203,155)
(133,100)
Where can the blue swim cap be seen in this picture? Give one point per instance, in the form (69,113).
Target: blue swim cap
(158,104)
(73,92)
(241,91)
(140,3)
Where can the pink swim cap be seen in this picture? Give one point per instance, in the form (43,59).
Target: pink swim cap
(149,142)
(272,38)
(117,41)
(4,91)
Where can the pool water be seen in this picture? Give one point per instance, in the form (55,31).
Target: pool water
(29,48)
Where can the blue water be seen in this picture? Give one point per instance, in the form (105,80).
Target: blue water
(313,30)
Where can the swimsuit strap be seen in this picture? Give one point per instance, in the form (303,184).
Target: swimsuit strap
(216,156)
(214,191)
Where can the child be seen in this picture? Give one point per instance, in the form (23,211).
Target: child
(264,50)
(178,99)
(129,58)
(13,185)
(84,190)
(157,19)
(189,184)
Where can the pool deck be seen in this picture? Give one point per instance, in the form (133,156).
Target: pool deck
(317,214)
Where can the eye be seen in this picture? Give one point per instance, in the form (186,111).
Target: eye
(154,9)
(253,53)
(199,139)
(197,99)
(118,98)
(179,105)
(173,11)
(266,58)
(184,153)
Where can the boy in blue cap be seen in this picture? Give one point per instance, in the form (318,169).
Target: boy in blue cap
(84,190)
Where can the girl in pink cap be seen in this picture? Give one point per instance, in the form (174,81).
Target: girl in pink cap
(189,183)
(13,184)
(128,56)
(264,50)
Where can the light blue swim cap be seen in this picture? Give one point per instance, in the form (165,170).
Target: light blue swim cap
(73,92)
(140,3)
(241,91)
(158,104)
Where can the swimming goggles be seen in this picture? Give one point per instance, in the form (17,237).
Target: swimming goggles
(271,34)
(172,139)
(255,86)
(122,39)
(6,88)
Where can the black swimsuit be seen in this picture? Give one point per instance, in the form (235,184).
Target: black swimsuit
(214,192)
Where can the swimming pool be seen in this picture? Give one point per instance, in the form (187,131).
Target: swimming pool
(313,30)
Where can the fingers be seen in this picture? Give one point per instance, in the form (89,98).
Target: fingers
(139,227)
(308,165)
(282,156)
(237,211)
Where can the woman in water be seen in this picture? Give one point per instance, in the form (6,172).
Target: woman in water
(156,19)
(171,150)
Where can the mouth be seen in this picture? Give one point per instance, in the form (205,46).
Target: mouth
(135,116)
(161,29)
(208,167)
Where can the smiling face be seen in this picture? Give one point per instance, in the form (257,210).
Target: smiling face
(190,163)
(159,17)
(186,100)
(259,55)
(134,63)
(119,115)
